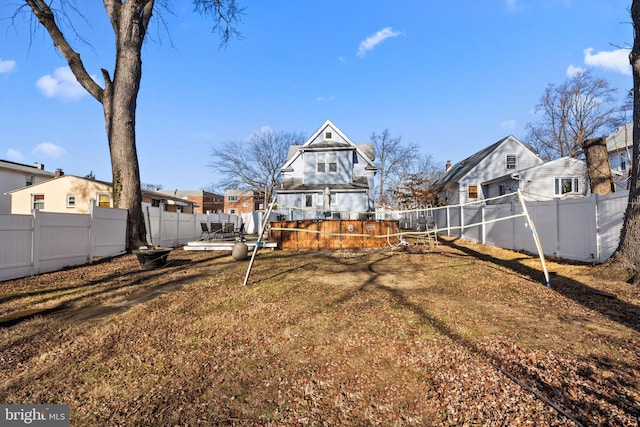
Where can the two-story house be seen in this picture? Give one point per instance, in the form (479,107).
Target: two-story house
(327,177)
(73,194)
(16,175)
(238,202)
(203,201)
(620,148)
(485,174)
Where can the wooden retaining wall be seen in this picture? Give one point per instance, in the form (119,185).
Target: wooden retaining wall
(332,234)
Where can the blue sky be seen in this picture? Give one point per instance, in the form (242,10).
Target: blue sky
(450,77)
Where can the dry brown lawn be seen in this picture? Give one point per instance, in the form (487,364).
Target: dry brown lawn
(458,335)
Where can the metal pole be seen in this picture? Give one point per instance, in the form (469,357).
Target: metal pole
(261,232)
(536,239)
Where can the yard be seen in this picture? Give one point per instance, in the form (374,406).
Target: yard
(459,335)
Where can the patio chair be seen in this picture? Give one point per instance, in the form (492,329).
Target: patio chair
(216,231)
(206,233)
(227,230)
(239,233)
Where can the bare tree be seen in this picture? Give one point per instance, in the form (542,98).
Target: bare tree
(579,109)
(411,188)
(626,259)
(130,21)
(392,158)
(255,165)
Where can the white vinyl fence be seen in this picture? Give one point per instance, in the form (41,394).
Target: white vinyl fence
(173,229)
(47,241)
(582,229)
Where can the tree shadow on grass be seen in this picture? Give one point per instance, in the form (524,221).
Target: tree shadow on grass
(531,377)
(73,308)
(598,300)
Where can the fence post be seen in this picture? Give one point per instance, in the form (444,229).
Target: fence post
(596,253)
(556,206)
(178,228)
(160,223)
(35,242)
(513,226)
(462,222)
(91,235)
(483,229)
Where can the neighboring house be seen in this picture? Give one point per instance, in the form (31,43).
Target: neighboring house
(16,175)
(327,176)
(482,174)
(72,194)
(203,201)
(620,148)
(237,202)
(560,178)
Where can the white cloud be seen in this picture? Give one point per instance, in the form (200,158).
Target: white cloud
(49,149)
(513,5)
(7,66)
(62,84)
(573,71)
(615,60)
(508,125)
(372,41)
(325,98)
(14,155)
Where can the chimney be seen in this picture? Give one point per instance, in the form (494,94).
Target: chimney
(59,173)
(448,165)
(38,165)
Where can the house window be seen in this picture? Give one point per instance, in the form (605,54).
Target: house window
(327,162)
(71,200)
(333,162)
(29,180)
(155,203)
(328,135)
(567,186)
(502,190)
(38,202)
(104,200)
(233,198)
(355,157)
(308,200)
(232,212)
(321,158)
(473,191)
(511,161)
(623,162)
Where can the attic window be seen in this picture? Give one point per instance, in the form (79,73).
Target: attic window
(328,135)
(511,161)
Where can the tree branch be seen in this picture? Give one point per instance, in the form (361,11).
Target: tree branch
(47,18)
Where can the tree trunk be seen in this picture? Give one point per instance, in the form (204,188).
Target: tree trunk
(598,166)
(119,103)
(627,256)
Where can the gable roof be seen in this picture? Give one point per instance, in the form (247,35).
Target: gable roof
(621,138)
(36,169)
(148,193)
(366,151)
(460,169)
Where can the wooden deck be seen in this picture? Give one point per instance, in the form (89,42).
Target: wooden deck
(224,245)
